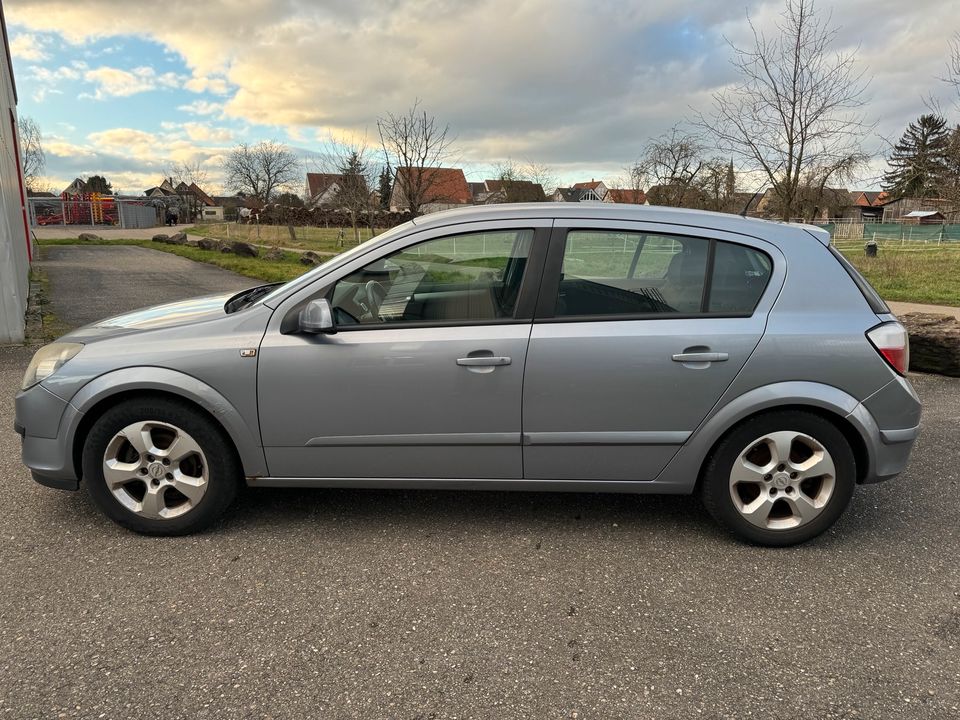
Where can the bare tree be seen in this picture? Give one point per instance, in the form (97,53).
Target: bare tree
(32,157)
(518,183)
(262,169)
(796,107)
(188,174)
(416,144)
(718,184)
(352,159)
(953,65)
(540,174)
(672,165)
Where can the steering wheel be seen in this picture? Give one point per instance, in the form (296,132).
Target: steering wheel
(376,293)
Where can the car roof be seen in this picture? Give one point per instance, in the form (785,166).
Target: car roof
(753,227)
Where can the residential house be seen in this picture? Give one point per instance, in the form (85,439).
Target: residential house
(164,189)
(626,196)
(810,206)
(510,191)
(574,194)
(478,192)
(446,188)
(746,203)
(323,188)
(595,186)
(77,187)
(866,205)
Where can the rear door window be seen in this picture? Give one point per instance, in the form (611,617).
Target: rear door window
(611,273)
(628,273)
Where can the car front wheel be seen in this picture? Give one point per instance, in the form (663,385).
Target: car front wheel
(780,478)
(159,467)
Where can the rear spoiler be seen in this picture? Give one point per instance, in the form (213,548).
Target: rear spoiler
(819,233)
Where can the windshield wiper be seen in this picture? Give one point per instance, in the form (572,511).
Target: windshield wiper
(245,298)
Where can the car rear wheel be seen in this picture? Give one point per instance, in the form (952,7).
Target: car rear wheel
(159,467)
(781,478)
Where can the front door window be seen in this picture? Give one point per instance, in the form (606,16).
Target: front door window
(472,278)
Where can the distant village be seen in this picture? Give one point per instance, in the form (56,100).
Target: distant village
(449,188)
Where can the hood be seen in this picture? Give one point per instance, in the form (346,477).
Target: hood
(182,312)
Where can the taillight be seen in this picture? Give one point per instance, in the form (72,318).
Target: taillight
(891,341)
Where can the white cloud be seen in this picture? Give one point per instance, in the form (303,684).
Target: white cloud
(211,84)
(202,107)
(28,46)
(202,132)
(578,85)
(116,82)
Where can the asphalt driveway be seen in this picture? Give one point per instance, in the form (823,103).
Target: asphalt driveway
(91,282)
(410,604)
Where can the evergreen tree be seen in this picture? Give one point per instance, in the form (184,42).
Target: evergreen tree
(98,184)
(918,164)
(386,187)
(354,194)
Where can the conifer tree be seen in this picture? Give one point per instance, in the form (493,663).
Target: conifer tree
(918,163)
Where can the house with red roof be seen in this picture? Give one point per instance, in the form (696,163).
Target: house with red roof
(595,186)
(439,189)
(626,196)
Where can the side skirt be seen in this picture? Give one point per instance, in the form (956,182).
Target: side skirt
(604,486)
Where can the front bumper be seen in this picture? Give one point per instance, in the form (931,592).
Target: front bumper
(46,451)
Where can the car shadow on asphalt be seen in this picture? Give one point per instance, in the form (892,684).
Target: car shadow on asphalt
(367,512)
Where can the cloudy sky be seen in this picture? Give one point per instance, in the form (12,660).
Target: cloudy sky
(124,89)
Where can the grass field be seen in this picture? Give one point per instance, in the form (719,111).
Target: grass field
(912,272)
(305,238)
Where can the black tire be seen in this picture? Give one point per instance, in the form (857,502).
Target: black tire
(223,466)
(715,487)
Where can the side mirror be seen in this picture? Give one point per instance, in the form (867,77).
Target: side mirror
(317,317)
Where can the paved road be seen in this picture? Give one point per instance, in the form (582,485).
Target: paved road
(397,604)
(902,308)
(91,282)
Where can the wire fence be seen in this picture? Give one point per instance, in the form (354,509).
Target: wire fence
(104,212)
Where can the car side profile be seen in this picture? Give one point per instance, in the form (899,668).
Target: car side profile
(549,346)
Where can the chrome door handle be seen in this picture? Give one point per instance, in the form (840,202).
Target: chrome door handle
(484,361)
(700,357)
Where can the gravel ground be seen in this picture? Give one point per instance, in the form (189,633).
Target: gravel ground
(410,604)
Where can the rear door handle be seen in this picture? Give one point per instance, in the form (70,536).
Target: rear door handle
(700,357)
(484,361)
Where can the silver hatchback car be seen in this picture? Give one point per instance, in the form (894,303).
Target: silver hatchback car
(554,347)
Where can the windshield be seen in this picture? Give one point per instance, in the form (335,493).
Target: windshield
(308,276)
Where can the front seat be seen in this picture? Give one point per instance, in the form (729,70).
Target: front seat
(683,284)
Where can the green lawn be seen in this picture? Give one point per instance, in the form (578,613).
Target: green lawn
(258,268)
(306,238)
(911,272)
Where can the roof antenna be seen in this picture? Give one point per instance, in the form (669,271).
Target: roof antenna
(743,213)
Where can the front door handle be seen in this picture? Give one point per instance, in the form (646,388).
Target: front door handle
(700,357)
(484,361)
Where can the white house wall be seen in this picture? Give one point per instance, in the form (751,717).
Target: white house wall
(14,262)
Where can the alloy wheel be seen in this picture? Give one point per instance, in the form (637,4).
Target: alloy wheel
(155,470)
(782,480)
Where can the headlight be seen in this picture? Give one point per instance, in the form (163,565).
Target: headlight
(48,360)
